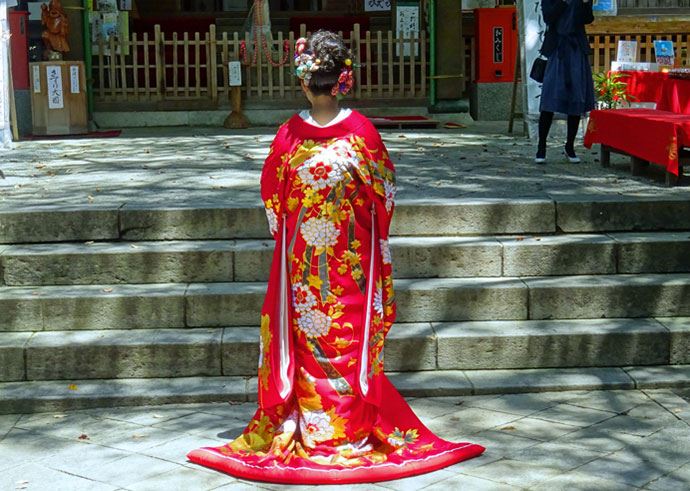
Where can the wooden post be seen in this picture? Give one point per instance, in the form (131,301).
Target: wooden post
(212,63)
(159,53)
(636,165)
(356,37)
(14,125)
(513,95)
(605,156)
(236,119)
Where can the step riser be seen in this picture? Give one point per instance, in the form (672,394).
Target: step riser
(32,397)
(415,347)
(609,301)
(250,261)
(475,217)
(227,304)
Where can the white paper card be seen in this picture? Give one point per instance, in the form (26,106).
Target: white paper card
(640,66)
(36,78)
(74,79)
(377,5)
(54,82)
(627,52)
(235,73)
(407,26)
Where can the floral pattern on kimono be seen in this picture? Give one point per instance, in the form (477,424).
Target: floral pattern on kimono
(327,412)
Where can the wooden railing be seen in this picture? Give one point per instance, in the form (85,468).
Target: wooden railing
(189,69)
(163,67)
(604,46)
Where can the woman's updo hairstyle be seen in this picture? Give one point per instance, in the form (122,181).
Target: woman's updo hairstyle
(329,48)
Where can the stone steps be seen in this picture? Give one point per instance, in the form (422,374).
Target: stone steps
(171,305)
(469,216)
(130,262)
(234,351)
(53,396)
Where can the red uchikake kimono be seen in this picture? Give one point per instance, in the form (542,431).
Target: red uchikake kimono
(327,413)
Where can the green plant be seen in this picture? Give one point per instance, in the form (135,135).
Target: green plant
(611,91)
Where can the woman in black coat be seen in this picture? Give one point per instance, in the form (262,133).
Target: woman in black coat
(568,87)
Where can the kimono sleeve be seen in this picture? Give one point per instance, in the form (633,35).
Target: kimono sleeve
(273,176)
(383,190)
(383,185)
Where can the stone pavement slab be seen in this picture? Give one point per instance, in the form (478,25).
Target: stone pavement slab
(575,480)
(36,476)
(678,479)
(535,441)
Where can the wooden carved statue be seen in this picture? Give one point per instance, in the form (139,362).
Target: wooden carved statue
(54,19)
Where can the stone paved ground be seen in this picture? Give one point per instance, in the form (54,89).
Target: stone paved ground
(195,166)
(599,440)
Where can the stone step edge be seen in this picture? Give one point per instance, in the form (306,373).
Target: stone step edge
(55,396)
(509,256)
(439,346)
(464,216)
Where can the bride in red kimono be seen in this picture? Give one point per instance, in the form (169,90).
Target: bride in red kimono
(327,413)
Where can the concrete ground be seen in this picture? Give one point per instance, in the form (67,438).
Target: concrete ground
(208,166)
(599,440)
(556,440)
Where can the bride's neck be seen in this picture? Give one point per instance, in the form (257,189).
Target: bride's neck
(324,109)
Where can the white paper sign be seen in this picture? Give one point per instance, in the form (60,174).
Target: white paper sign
(36,77)
(235,73)
(377,5)
(54,82)
(627,52)
(407,26)
(5,132)
(531,29)
(74,79)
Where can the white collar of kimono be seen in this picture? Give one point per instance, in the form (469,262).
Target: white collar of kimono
(306,116)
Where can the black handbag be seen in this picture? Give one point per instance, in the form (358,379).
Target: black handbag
(538,69)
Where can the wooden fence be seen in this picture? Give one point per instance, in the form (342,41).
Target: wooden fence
(604,47)
(162,67)
(189,69)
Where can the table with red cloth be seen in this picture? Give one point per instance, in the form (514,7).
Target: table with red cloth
(650,134)
(644,86)
(675,96)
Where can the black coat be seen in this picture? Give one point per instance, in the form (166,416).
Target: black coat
(581,14)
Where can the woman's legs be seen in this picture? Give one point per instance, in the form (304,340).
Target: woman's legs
(573,125)
(545,120)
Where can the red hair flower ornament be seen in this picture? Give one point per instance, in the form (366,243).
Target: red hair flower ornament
(345,80)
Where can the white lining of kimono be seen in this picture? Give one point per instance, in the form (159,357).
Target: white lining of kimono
(283,326)
(364,364)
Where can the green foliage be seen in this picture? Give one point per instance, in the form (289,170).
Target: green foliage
(610,90)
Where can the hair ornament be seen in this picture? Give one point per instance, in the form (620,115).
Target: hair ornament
(345,80)
(305,61)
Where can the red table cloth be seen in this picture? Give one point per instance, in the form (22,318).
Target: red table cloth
(644,86)
(653,135)
(675,96)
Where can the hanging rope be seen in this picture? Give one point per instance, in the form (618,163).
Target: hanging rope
(260,40)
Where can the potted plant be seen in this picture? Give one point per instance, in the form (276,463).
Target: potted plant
(610,90)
